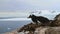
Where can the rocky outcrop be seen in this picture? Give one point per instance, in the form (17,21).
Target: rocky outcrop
(53,30)
(56,21)
(29,27)
(40,30)
(48,30)
(32,28)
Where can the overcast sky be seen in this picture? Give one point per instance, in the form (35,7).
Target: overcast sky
(29,4)
(18,5)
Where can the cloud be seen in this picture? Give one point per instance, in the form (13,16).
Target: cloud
(29,4)
(16,13)
(42,4)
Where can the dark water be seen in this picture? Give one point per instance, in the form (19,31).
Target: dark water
(6,26)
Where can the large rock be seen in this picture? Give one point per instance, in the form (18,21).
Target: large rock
(53,30)
(41,30)
(56,21)
(48,30)
(57,17)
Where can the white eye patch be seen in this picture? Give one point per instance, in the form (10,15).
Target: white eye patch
(38,21)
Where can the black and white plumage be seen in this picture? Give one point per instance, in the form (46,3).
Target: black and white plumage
(39,19)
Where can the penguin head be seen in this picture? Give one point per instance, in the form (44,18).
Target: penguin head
(31,16)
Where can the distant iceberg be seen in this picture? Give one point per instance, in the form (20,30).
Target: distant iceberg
(15,19)
(9,28)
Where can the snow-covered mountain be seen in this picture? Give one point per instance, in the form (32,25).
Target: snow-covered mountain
(51,12)
(46,13)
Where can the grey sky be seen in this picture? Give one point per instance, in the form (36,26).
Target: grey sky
(29,4)
(8,7)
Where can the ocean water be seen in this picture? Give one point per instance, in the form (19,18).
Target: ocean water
(6,26)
